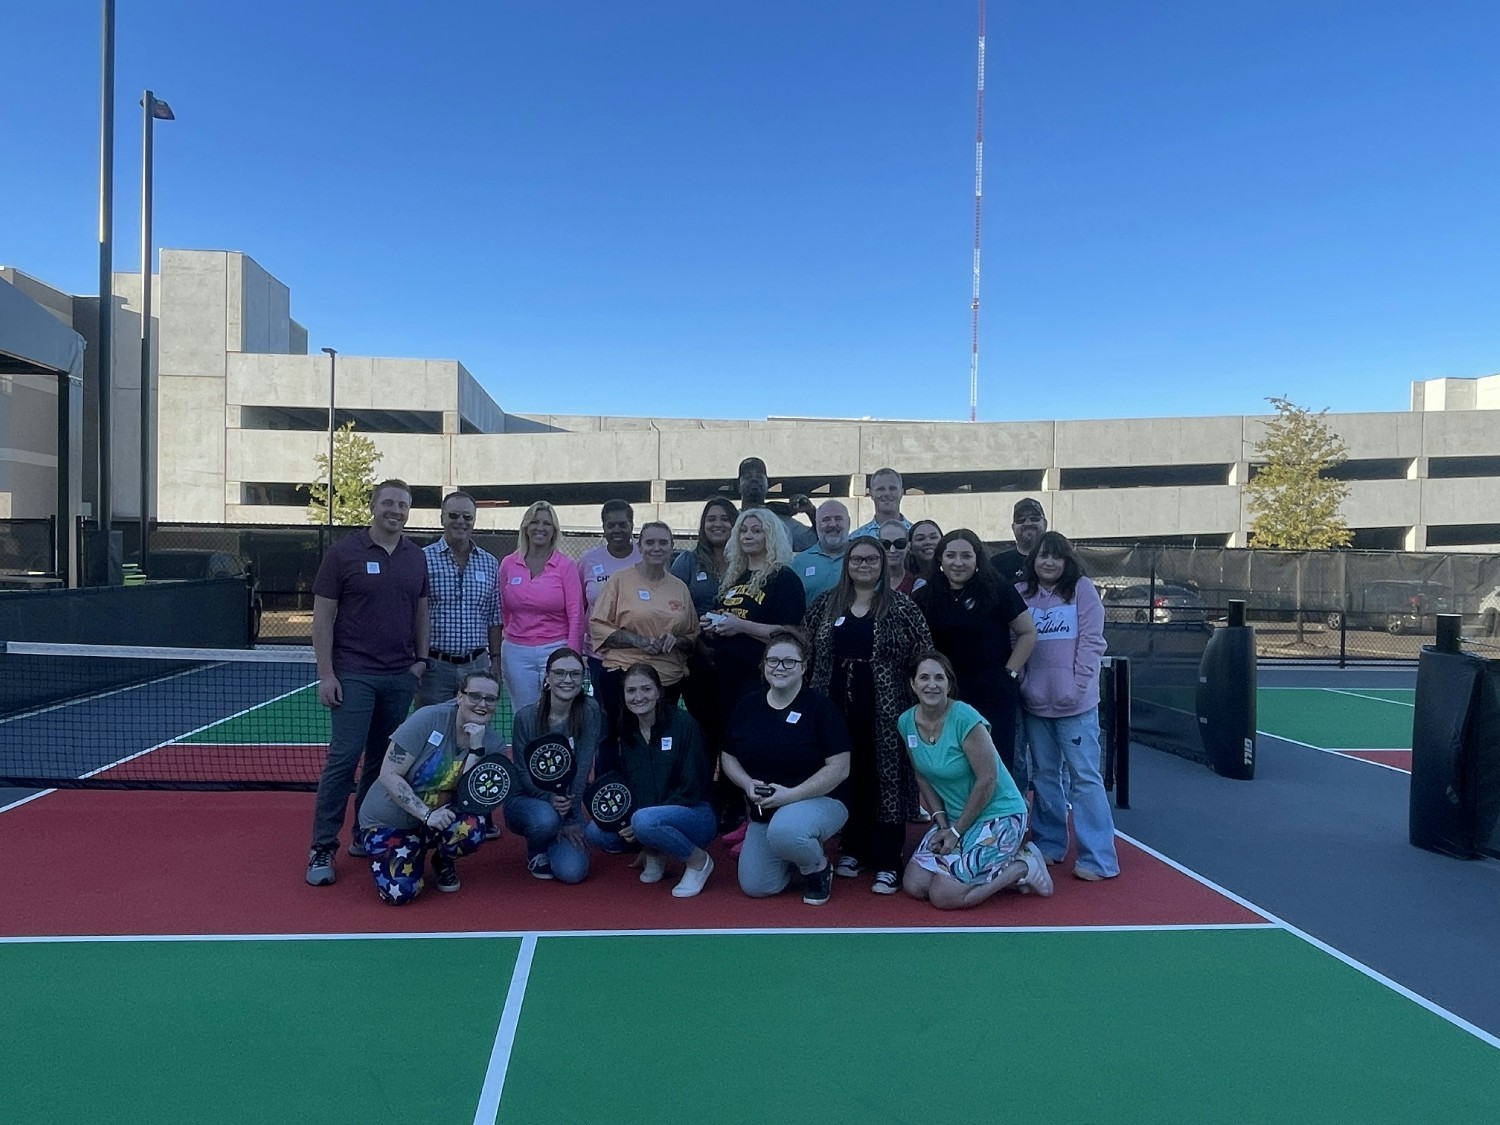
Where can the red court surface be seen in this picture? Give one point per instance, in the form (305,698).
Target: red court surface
(1396,759)
(166,863)
(224,762)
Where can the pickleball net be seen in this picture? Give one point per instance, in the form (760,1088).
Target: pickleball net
(122,717)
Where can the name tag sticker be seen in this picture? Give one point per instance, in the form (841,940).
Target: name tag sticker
(911,741)
(702,576)
(372,568)
(516,581)
(810,571)
(793,716)
(599,571)
(666,742)
(645,595)
(837,622)
(435,738)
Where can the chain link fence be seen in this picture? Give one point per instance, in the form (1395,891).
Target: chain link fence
(1325,606)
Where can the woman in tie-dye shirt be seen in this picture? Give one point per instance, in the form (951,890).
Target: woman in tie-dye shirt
(410,812)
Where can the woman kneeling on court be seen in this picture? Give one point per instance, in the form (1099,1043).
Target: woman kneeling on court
(973,849)
(665,763)
(788,750)
(409,812)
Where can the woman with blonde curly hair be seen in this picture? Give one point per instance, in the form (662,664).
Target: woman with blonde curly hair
(760,593)
(541,600)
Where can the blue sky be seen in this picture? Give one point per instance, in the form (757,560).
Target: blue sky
(735,209)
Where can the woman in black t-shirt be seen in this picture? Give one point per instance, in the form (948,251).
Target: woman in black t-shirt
(787,749)
(759,594)
(972,614)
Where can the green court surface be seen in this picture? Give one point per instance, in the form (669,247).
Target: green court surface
(1237,1024)
(294,719)
(1338,718)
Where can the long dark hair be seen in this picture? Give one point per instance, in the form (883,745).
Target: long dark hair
(1056,544)
(663,714)
(580,703)
(701,550)
(917,568)
(984,587)
(842,596)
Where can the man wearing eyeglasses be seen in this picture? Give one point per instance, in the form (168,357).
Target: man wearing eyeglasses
(887,490)
(463,604)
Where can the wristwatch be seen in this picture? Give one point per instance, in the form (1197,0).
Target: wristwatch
(1013,674)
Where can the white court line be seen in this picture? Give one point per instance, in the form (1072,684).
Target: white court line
(160,745)
(1359,966)
(1345,754)
(524,935)
(505,1036)
(1371,698)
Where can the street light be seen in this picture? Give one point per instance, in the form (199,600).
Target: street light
(156,110)
(333,366)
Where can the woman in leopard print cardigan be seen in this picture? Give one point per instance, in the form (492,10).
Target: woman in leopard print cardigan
(864,635)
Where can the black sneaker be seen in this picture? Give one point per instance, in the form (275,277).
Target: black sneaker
(444,877)
(817,887)
(539,866)
(320,866)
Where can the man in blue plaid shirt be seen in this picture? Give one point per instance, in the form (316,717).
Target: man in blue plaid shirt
(463,605)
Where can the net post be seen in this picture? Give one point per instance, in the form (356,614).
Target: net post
(1449,632)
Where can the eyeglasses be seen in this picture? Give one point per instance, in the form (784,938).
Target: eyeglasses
(566,674)
(782,664)
(479,697)
(894,544)
(865,560)
(467,517)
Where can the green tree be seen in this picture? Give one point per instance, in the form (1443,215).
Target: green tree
(354,461)
(1294,505)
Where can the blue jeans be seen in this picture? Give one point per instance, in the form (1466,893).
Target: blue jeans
(539,823)
(674,830)
(1072,744)
(363,723)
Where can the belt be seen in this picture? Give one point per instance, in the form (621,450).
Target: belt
(457,657)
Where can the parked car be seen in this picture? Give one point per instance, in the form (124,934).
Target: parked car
(1398,606)
(184,563)
(1489,614)
(1161,604)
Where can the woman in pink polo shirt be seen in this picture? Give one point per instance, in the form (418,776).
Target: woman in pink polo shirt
(541,602)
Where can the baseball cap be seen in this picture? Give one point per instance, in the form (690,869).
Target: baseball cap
(752,463)
(1026,507)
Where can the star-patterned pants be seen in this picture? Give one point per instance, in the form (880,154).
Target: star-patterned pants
(398,856)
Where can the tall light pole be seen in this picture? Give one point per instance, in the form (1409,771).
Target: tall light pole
(106,262)
(156,110)
(333,365)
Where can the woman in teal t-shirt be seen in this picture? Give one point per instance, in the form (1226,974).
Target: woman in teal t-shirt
(973,849)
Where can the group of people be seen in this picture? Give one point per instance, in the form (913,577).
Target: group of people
(777,695)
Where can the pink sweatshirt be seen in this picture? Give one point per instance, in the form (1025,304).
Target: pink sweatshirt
(1062,675)
(543,609)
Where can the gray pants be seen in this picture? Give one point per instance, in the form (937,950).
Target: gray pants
(793,838)
(372,709)
(440,682)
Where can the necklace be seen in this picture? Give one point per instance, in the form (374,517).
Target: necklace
(925,727)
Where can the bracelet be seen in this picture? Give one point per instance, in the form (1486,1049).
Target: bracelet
(956,834)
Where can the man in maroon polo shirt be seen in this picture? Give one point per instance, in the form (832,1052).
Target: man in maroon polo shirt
(369,627)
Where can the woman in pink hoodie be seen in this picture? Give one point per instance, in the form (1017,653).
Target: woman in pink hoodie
(1060,697)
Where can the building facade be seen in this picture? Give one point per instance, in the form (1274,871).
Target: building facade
(242,415)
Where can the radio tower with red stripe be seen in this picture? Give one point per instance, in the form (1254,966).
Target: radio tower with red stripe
(978,211)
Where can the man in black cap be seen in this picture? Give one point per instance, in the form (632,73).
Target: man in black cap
(754,483)
(1028,521)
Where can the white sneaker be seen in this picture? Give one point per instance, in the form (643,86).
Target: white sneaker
(693,879)
(653,867)
(847,867)
(886,883)
(1037,880)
